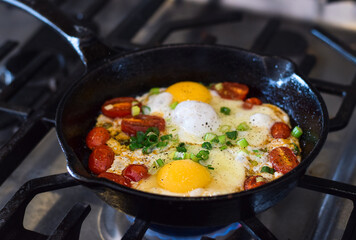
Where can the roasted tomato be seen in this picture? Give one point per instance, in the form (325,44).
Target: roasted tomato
(116,178)
(135,172)
(101,159)
(231,90)
(97,137)
(249,102)
(283,159)
(119,107)
(253,182)
(280,130)
(141,123)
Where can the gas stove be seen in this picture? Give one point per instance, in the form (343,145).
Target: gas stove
(37,66)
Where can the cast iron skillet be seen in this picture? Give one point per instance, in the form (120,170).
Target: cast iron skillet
(272,79)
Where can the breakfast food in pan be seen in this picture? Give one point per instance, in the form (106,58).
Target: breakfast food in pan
(193,140)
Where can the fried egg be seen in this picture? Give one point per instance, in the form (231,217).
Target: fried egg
(192,112)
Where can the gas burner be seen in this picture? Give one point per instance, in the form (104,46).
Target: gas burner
(114,224)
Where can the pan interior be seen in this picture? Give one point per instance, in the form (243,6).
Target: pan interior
(271,79)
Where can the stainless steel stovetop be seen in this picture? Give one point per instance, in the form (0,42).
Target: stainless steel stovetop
(303,214)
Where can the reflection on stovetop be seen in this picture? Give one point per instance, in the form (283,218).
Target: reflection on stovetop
(303,214)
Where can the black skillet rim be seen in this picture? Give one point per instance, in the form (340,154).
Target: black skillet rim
(106,183)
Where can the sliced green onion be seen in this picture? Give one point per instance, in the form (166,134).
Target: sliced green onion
(296,149)
(178,155)
(166,137)
(266,169)
(162,144)
(231,135)
(152,129)
(160,162)
(243,127)
(259,155)
(181,148)
(193,157)
(228,143)
(147,150)
(146,110)
(135,110)
(259,179)
(215,140)
(263,149)
(207,145)
(209,137)
(224,128)
(223,147)
(219,86)
(154,91)
(173,105)
(297,132)
(222,139)
(225,110)
(242,143)
(203,155)
(255,151)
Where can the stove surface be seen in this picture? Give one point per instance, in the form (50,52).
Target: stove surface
(303,214)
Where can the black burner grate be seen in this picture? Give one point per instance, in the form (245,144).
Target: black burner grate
(36,122)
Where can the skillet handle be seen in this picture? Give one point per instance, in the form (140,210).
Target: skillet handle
(347,92)
(89,49)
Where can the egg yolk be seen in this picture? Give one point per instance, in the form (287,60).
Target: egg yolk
(183,176)
(183,91)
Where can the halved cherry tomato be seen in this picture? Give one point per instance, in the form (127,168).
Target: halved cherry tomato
(116,178)
(101,159)
(249,102)
(283,159)
(251,182)
(135,172)
(232,90)
(97,137)
(141,123)
(119,107)
(280,130)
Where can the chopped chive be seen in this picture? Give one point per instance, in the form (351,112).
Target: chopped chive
(266,169)
(181,148)
(219,86)
(203,155)
(173,105)
(146,110)
(297,132)
(243,127)
(242,143)
(154,91)
(135,110)
(225,110)
(231,135)
(223,147)
(209,137)
(210,167)
(224,128)
(160,162)
(207,145)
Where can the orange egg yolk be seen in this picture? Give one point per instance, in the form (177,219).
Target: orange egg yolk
(182,176)
(183,91)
